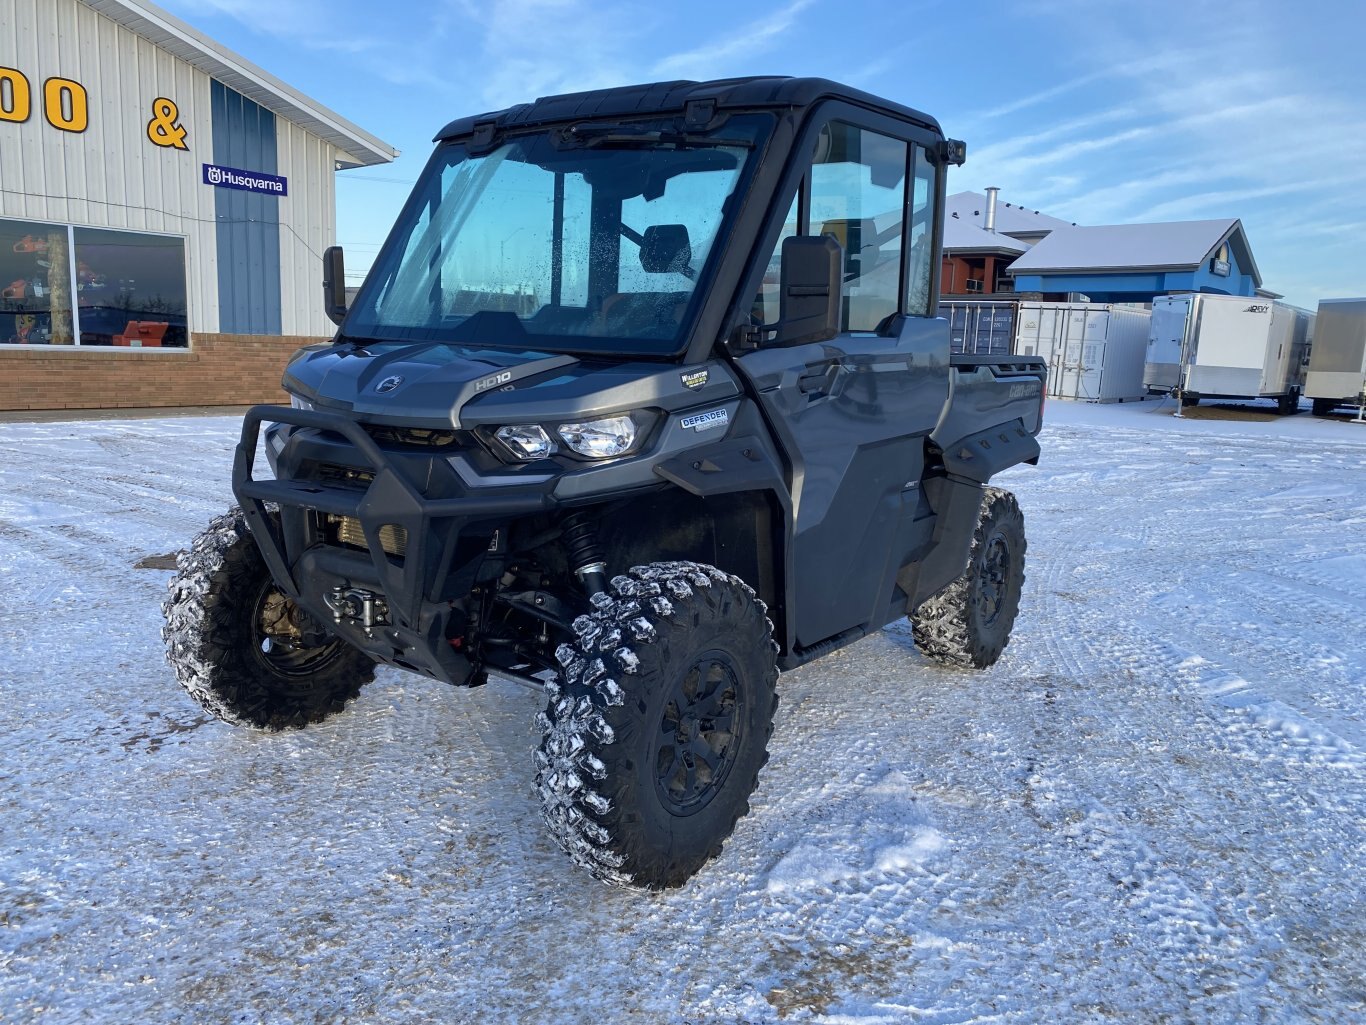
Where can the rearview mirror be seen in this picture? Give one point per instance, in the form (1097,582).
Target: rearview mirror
(810,303)
(665,248)
(334,284)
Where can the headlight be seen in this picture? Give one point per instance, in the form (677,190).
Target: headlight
(525,441)
(600,439)
(295,402)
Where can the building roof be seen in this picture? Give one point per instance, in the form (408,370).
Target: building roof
(1175,245)
(356,147)
(1011,218)
(961,236)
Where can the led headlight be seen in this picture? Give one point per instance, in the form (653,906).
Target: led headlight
(600,439)
(525,441)
(297,402)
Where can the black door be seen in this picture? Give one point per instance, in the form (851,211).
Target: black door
(853,412)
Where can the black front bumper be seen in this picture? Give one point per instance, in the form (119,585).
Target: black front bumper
(444,519)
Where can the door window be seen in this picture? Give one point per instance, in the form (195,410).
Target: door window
(767,307)
(918,277)
(858,196)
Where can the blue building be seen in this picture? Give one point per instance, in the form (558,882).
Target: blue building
(1135,262)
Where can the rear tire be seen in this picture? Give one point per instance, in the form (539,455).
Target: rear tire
(654,732)
(968,623)
(232,638)
(1322,407)
(1189,399)
(1289,404)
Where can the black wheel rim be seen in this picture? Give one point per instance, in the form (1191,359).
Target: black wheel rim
(699,733)
(275,638)
(994,579)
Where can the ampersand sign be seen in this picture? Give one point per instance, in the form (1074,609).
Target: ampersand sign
(162,129)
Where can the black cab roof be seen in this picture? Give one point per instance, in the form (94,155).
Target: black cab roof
(663,97)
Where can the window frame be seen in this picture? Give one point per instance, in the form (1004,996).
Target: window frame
(796,183)
(77,344)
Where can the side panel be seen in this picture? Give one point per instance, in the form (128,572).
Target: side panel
(851,415)
(1323,384)
(1235,382)
(984,394)
(1339,338)
(1232,333)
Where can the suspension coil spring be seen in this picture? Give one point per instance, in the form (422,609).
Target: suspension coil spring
(580,539)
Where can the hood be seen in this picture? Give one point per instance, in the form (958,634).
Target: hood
(411,385)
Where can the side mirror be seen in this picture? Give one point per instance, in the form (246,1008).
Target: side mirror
(810,299)
(334,284)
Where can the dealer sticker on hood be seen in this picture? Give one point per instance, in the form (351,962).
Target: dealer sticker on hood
(705,421)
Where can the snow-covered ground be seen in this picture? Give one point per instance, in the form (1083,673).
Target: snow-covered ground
(1152,810)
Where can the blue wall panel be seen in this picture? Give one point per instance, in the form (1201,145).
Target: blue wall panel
(1117,286)
(248,222)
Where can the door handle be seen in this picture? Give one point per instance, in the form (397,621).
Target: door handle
(818,381)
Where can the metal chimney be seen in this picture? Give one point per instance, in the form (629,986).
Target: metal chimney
(990,223)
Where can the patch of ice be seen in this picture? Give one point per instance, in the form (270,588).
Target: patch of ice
(807,866)
(926,843)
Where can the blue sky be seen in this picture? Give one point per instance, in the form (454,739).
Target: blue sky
(1093,111)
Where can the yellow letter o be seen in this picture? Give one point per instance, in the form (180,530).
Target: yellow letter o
(55,90)
(20,98)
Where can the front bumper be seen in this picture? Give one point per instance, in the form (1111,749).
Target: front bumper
(448,523)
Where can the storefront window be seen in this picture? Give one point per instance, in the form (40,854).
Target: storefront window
(129,287)
(35,284)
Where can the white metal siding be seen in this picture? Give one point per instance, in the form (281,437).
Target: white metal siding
(307,227)
(110,175)
(113,176)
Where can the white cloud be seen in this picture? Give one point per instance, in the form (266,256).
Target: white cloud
(718,56)
(1226,124)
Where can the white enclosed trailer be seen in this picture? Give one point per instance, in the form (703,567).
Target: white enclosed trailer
(1227,346)
(1095,351)
(1337,364)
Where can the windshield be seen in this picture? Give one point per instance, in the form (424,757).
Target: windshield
(597,237)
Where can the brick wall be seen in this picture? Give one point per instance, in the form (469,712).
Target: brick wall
(218,370)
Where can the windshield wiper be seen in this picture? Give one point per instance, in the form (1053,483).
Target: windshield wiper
(593,134)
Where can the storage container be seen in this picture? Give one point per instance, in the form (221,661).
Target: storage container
(1095,351)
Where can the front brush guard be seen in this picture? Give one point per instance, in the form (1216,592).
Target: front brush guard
(432,525)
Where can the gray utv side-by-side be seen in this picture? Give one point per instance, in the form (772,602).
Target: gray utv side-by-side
(643,400)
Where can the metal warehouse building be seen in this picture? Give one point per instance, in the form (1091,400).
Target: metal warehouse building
(164,205)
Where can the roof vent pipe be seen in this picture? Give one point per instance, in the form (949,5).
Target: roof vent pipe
(990,223)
